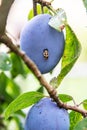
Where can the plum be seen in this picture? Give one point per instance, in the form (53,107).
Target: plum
(46,115)
(42,43)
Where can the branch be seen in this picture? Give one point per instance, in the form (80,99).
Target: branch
(43,2)
(4,10)
(30,64)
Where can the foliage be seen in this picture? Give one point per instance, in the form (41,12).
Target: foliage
(24,100)
(5,62)
(74,119)
(82,125)
(39,11)
(85,4)
(13,101)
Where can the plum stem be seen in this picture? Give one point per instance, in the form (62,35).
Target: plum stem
(34,7)
(30,64)
(52,9)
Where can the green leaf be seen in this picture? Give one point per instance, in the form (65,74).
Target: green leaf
(85,3)
(18,122)
(41,89)
(65,97)
(53,82)
(75,117)
(82,125)
(4,97)
(71,53)
(85,104)
(5,62)
(13,89)
(3,83)
(17,66)
(9,90)
(39,11)
(22,102)
(21,113)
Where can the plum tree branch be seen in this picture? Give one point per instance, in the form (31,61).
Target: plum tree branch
(43,2)
(4,39)
(4,10)
(52,92)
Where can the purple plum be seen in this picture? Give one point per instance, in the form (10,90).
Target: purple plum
(46,115)
(42,43)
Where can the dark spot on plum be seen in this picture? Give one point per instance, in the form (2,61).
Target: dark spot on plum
(40,112)
(45,54)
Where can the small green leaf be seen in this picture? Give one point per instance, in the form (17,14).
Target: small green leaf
(9,90)
(75,117)
(21,113)
(65,97)
(82,125)
(30,15)
(71,53)
(5,62)
(22,102)
(3,83)
(53,82)
(85,104)
(18,123)
(41,89)
(4,96)
(17,66)
(85,3)
(12,88)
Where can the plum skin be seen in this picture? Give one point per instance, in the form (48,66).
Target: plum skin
(38,36)
(46,115)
